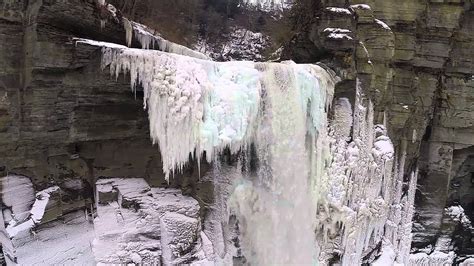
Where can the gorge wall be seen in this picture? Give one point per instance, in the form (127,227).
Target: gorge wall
(63,119)
(415,60)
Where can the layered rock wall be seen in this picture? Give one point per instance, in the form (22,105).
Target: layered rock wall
(415,61)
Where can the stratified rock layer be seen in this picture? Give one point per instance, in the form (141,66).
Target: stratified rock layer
(416,62)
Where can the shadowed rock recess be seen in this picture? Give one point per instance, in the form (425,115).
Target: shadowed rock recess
(365,157)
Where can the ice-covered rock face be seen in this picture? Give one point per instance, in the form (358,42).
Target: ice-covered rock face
(204,107)
(314,190)
(363,205)
(346,192)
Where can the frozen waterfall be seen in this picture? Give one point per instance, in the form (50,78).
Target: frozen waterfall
(321,189)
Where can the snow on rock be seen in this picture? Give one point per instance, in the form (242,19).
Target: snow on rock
(61,242)
(139,224)
(36,213)
(19,232)
(467,262)
(178,233)
(336,30)
(360,6)
(433,259)
(17,195)
(269,5)
(339,10)
(381,23)
(99,43)
(41,202)
(240,44)
(458,215)
(150,39)
(170,200)
(337,33)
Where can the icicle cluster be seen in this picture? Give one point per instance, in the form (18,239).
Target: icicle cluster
(150,40)
(362,205)
(204,106)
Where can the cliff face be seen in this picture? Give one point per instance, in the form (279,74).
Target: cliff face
(414,60)
(66,123)
(63,119)
(61,116)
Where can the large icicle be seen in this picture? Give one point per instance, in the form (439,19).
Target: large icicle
(361,205)
(151,40)
(206,106)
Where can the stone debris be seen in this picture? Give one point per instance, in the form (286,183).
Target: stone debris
(133,223)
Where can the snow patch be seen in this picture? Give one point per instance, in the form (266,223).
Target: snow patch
(386,258)
(339,10)
(468,262)
(337,33)
(435,258)
(383,24)
(269,5)
(36,213)
(458,215)
(361,6)
(240,44)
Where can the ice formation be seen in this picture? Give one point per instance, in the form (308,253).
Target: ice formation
(149,39)
(362,204)
(314,189)
(202,107)
(341,180)
(206,106)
